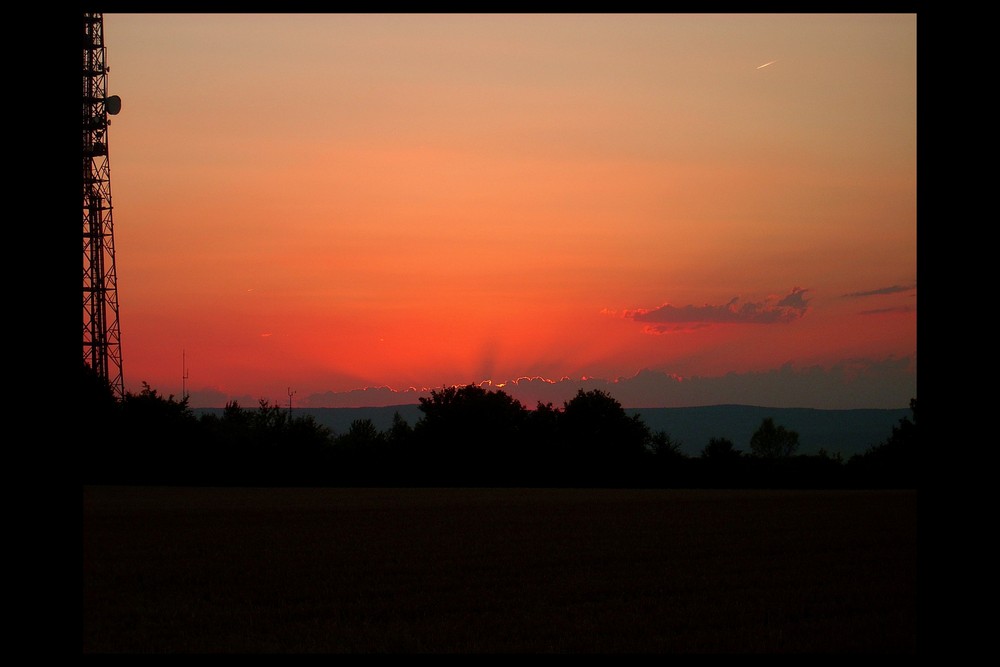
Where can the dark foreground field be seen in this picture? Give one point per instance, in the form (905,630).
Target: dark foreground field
(498,570)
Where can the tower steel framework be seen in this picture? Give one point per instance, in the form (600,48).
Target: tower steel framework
(101,334)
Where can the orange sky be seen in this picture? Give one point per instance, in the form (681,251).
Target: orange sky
(317,203)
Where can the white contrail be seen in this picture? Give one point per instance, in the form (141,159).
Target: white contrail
(766,64)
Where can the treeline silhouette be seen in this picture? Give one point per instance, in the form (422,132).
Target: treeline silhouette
(467,436)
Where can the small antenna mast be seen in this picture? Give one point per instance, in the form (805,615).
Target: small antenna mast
(290,393)
(184,375)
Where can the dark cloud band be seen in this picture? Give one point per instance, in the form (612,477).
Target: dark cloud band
(882,290)
(770,311)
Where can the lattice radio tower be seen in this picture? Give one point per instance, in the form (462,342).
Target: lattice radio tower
(101,335)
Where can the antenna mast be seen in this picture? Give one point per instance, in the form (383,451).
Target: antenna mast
(101,335)
(184,375)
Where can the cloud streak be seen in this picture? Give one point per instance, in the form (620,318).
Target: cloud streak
(884,311)
(894,289)
(773,310)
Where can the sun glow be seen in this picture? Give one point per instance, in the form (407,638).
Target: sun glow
(451,198)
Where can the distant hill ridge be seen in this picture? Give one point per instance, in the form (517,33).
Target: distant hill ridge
(846,432)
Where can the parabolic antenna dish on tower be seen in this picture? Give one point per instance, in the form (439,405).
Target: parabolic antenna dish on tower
(113,104)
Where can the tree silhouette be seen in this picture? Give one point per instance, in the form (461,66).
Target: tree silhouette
(400,433)
(720,449)
(773,442)
(364,430)
(96,395)
(468,432)
(603,443)
(664,447)
(397,460)
(466,436)
(667,465)
(98,459)
(894,461)
(722,465)
(265,446)
(540,456)
(157,436)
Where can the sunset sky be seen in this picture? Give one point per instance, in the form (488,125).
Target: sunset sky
(319,203)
